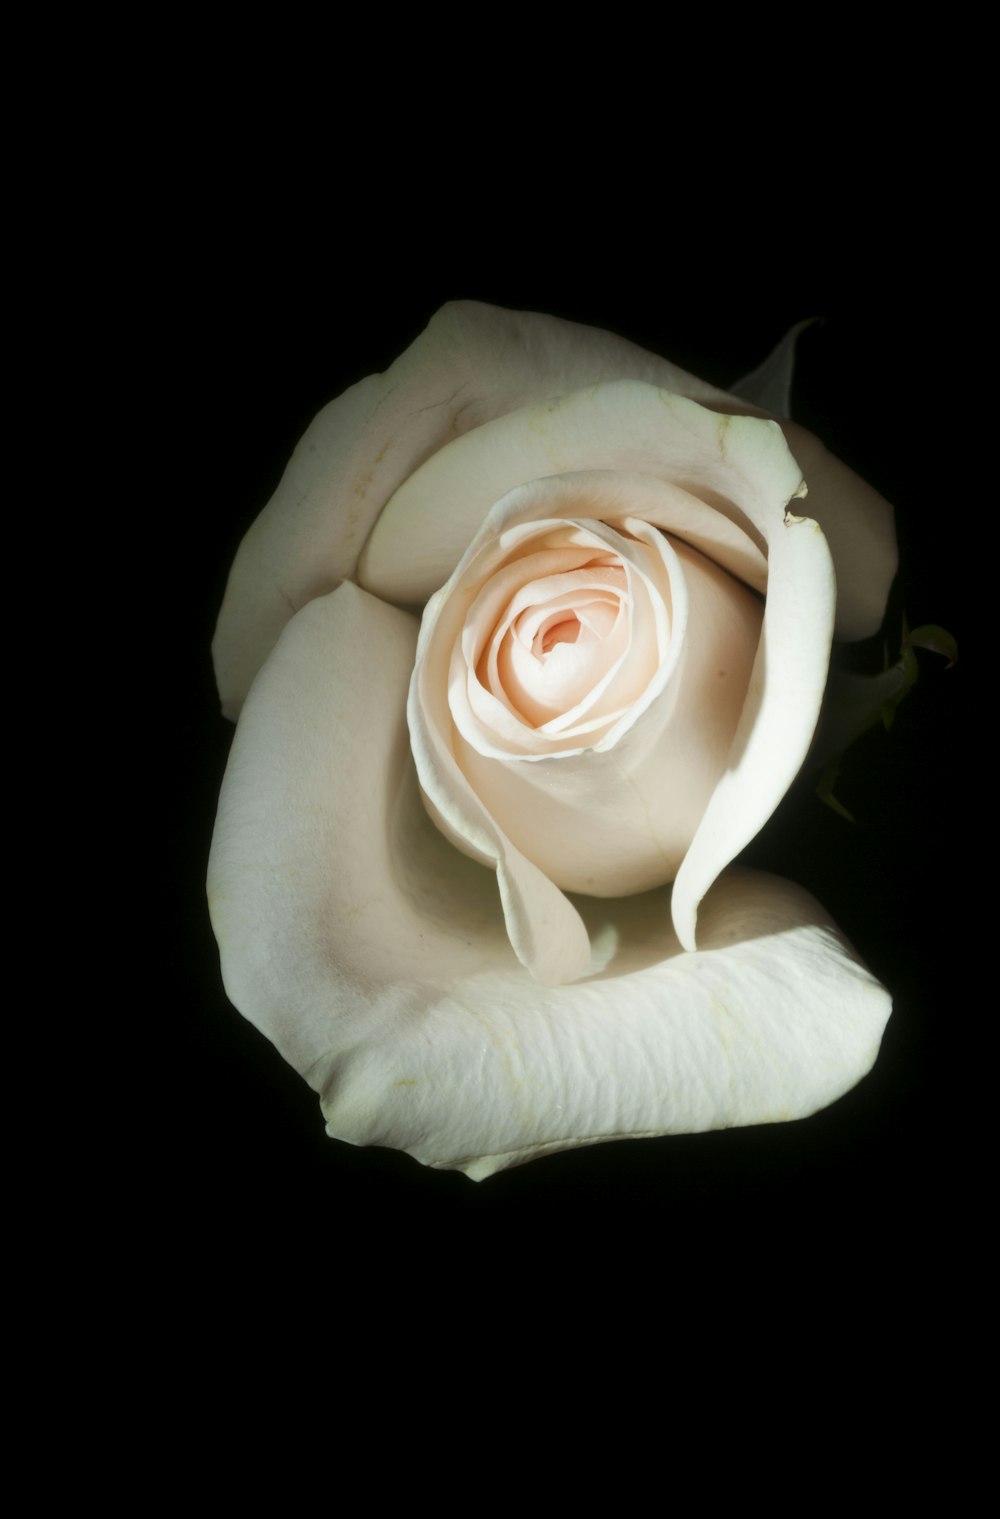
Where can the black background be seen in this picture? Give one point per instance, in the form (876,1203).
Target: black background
(239,1161)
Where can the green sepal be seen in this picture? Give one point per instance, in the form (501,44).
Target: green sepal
(855,703)
(824,790)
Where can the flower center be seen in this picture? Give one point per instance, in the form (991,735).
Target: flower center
(568,625)
(557,629)
(557,638)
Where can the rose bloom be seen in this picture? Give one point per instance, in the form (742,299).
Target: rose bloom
(529,644)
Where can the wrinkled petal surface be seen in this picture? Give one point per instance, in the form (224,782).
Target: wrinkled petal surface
(377,960)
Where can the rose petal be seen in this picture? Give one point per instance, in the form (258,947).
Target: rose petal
(471,364)
(621,427)
(779,717)
(376,959)
(776,1020)
(858,525)
(343,665)
(430,520)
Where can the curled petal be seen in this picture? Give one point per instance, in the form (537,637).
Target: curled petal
(858,525)
(378,963)
(431,519)
(779,717)
(472,363)
(623,427)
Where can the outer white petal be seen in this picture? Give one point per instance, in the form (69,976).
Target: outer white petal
(430,520)
(856,520)
(858,525)
(779,717)
(471,364)
(376,959)
(621,426)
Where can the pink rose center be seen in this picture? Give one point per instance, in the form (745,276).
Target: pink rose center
(556,629)
(557,638)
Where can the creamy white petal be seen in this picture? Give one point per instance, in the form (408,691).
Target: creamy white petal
(717,527)
(772,1021)
(858,525)
(471,364)
(780,715)
(376,958)
(429,522)
(622,427)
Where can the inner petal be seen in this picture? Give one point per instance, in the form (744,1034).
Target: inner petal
(568,629)
(591,622)
(559,628)
(551,655)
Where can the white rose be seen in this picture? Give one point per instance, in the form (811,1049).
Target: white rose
(617,677)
